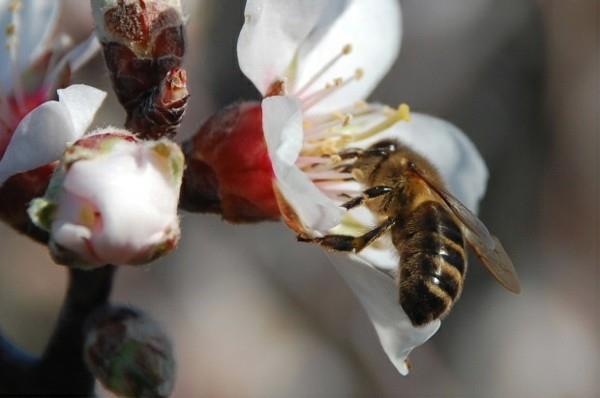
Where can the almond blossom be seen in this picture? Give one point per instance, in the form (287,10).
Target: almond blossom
(113,200)
(315,62)
(34,128)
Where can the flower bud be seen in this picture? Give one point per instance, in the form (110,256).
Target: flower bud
(143,46)
(129,353)
(112,200)
(229,169)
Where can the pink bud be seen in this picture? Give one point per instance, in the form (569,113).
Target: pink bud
(229,169)
(113,200)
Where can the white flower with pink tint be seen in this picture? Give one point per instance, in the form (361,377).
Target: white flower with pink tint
(315,62)
(36,121)
(113,200)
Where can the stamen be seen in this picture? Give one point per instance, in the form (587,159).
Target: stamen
(401,114)
(328,175)
(311,161)
(347,49)
(330,141)
(330,88)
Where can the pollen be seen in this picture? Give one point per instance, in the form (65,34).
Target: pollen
(347,49)
(404,112)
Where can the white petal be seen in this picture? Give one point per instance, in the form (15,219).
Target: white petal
(42,136)
(82,102)
(271,35)
(374,29)
(137,203)
(378,294)
(282,125)
(448,149)
(39,139)
(35,23)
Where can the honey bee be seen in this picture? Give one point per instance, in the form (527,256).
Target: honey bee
(429,227)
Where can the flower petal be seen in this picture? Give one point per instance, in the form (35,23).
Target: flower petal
(447,148)
(293,41)
(34,23)
(282,125)
(374,30)
(42,136)
(271,35)
(378,293)
(82,102)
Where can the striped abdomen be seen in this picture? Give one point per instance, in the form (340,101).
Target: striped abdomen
(433,262)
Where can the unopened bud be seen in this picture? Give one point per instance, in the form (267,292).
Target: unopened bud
(143,44)
(113,200)
(229,169)
(129,353)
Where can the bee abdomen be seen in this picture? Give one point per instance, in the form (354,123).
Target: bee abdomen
(433,262)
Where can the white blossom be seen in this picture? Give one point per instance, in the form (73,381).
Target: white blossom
(34,128)
(316,62)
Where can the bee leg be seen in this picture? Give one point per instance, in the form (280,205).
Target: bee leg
(370,193)
(348,243)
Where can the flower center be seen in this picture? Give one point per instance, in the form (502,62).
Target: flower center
(326,135)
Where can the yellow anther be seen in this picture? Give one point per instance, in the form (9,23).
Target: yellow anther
(347,49)
(338,81)
(359,73)
(404,112)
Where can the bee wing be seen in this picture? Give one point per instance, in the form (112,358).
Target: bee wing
(487,247)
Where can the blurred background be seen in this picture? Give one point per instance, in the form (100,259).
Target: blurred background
(255,314)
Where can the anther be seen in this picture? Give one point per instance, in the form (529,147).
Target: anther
(404,112)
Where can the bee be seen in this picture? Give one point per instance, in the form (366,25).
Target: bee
(429,227)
